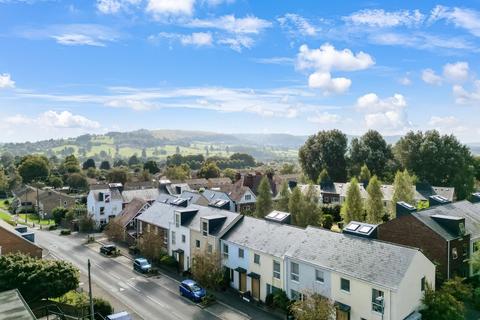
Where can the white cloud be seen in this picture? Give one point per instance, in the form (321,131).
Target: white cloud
(297,25)
(429,76)
(218,2)
(382,18)
(75,34)
(229,23)
(166,8)
(238,43)
(327,59)
(462,18)
(456,72)
(198,39)
(115,6)
(324,118)
(324,81)
(6,81)
(420,40)
(449,121)
(275,60)
(405,81)
(386,114)
(462,96)
(53,119)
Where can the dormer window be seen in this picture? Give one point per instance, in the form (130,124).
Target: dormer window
(461,228)
(205,228)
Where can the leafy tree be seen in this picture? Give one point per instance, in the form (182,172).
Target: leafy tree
(133,160)
(120,163)
(365,175)
(7,159)
(89,163)
(148,245)
(402,189)
(207,270)
(352,208)
(55,181)
(264,203)
(145,176)
(3,182)
(114,231)
(477,167)
(181,172)
(287,168)
(281,301)
(325,150)
(144,154)
(177,150)
(70,164)
(77,181)
(282,203)
(118,175)
(230,173)
(86,223)
(475,261)
(372,150)
(92,173)
(33,167)
(296,205)
(438,160)
(247,159)
(102,307)
(323,177)
(458,288)
(105,165)
(313,307)
(374,203)
(151,166)
(37,279)
(209,170)
(441,305)
(311,214)
(59,214)
(327,221)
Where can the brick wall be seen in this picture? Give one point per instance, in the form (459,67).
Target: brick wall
(12,243)
(409,231)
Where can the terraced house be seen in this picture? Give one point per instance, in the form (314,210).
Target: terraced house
(367,279)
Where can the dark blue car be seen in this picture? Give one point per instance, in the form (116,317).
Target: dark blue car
(191,290)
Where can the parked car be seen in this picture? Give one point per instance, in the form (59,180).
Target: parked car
(142,265)
(108,249)
(119,316)
(190,289)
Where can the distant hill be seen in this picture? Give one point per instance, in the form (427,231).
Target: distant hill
(159,144)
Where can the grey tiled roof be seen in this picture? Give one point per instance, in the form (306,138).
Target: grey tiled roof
(203,211)
(370,260)
(264,236)
(145,194)
(463,209)
(215,195)
(115,194)
(158,214)
(192,196)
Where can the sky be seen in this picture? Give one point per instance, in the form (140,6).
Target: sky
(238,66)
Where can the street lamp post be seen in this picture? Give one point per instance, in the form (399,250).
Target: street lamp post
(90,292)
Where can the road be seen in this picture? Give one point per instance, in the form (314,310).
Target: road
(147,298)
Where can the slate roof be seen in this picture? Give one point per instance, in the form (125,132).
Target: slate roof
(158,214)
(115,193)
(130,211)
(145,194)
(217,182)
(193,196)
(165,198)
(194,223)
(463,209)
(235,191)
(370,260)
(265,236)
(212,195)
(12,306)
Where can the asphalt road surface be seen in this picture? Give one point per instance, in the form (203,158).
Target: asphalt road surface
(145,297)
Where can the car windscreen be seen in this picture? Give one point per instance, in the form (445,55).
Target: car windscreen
(195,288)
(143,263)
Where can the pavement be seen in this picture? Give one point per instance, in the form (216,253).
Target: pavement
(146,298)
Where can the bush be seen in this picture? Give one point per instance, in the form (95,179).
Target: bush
(102,307)
(476,298)
(269,300)
(52,227)
(327,221)
(281,301)
(65,232)
(168,261)
(6,202)
(208,300)
(334,211)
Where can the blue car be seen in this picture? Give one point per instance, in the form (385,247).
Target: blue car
(191,290)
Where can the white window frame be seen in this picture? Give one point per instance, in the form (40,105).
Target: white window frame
(184,238)
(349,287)
(177,220)
(225,250)
(276,274)
(205,230)
(243,253)
(294,276)
(256,258)
(319,279)
(174,240)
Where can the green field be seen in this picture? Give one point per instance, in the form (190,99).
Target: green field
(32,218)
(6,217)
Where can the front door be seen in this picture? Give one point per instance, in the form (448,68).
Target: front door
(343,315)
(180,261)
(243,282)
(256,289)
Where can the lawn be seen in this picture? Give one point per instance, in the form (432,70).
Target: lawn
(6,217)
(3,205)
(34,219)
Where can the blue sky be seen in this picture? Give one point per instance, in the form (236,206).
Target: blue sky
(72,67)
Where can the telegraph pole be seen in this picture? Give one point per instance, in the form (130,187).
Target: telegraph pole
(90,292)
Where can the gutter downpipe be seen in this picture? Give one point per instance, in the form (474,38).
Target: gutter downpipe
(448,261)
